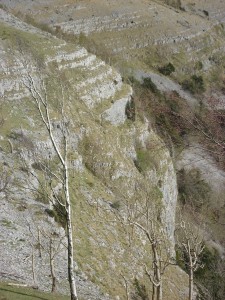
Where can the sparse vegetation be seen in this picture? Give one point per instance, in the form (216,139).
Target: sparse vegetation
(167,69)
(167,112)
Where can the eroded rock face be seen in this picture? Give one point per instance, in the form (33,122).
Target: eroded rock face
(163,175)
(103,150)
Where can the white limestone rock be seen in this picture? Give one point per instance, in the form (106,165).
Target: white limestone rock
(116,113)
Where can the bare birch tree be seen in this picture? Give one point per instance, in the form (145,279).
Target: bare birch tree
(191,245)
(39,94)
(142,216)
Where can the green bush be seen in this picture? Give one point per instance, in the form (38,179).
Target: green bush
(194,85)
(59,213)
(167,69)
(116,205)
(150,85)
(206,13)
(130,110)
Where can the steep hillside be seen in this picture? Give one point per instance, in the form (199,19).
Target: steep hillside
(116,164)
(116,158)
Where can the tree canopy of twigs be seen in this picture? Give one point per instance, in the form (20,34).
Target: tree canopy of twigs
(190,243)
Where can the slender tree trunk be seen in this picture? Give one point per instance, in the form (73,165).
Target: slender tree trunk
(190,272)
(157,273)
(71,277)
(52,268)
(190,284)
(33,266)
(39,243)
(40,98)
(153,292)
(126,288)
(159,291)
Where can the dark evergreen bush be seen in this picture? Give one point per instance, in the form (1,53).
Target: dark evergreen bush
(167,69)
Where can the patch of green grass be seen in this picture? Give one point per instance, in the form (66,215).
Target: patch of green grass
(21,293)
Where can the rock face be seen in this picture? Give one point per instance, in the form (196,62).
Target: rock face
(104,151)
(114,160)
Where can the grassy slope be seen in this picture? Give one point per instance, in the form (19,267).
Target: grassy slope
(21,293)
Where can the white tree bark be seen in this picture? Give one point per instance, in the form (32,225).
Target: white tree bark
(40,97)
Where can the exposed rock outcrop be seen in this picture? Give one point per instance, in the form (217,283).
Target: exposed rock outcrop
(104,148)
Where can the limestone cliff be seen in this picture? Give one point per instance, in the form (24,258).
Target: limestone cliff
(113,160)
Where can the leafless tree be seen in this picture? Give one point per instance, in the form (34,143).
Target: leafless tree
(142,217)
(40,97)
(52,247)
(48,242)
(190,243)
